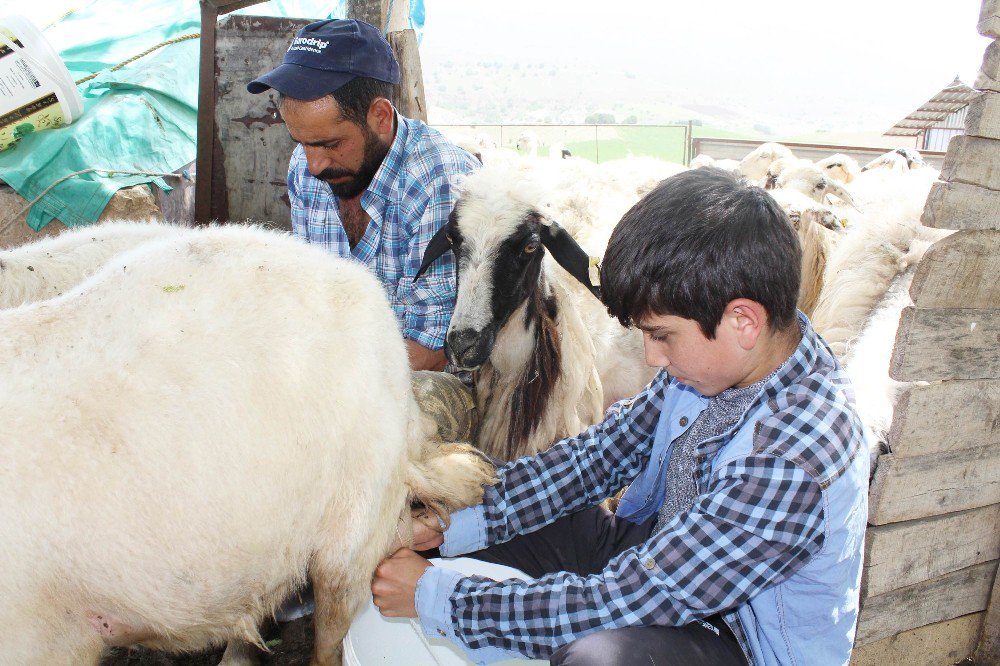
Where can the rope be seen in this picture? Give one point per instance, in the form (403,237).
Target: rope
(182,38)
(9,222)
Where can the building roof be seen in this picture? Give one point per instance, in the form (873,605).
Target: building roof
(953,98)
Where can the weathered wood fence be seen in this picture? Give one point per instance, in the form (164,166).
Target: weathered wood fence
(929,594)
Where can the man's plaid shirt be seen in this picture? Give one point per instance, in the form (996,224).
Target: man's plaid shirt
(408,200)
(756,521)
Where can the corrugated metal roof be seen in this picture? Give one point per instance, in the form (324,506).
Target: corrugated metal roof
(953,98)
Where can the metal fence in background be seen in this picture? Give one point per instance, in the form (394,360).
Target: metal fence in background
(599,143)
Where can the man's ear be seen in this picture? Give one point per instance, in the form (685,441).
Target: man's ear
(380,117)
(748,319)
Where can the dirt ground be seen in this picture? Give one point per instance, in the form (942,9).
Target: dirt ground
(290,643)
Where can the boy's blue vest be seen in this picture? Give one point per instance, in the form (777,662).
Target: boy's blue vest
(811,617)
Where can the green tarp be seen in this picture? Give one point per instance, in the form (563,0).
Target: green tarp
(141,117)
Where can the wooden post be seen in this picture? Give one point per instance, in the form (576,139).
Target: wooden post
(369,11)
(409,99)
(205,192)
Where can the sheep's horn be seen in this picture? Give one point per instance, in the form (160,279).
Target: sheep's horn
(436,246)
(568,254)
(842,194)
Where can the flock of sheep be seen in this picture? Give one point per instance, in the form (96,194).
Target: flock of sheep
(189,428)
(860,232)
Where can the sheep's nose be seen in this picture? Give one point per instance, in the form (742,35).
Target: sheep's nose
(459,342)
(465,347)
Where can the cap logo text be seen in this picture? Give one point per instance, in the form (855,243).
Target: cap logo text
(308,44)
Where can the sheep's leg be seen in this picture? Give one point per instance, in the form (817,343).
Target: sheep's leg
(240,653)
(336,604)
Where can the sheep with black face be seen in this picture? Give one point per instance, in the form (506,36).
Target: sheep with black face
(548,359)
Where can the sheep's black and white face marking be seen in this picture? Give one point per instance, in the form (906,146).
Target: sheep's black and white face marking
(499,261)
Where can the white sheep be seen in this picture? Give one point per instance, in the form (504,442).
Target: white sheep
(839,167)
(702,160)
(806,177)
(191,430)
(52,265)
(527,144)
(899,159)
(866,286)
(878,245)
(549,358)
(755,164)
(818,229)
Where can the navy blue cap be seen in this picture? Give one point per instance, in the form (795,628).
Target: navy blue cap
(327,54)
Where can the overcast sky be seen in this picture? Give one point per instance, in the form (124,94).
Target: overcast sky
(868,61)
(837,64)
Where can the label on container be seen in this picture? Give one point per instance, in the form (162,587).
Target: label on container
(27,103)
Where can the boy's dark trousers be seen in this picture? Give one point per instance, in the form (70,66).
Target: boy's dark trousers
(584,543)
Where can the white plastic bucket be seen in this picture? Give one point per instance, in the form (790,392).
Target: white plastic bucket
(373,639)
(36,90)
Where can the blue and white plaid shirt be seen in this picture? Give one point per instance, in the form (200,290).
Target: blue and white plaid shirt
(757,519)
(408,200)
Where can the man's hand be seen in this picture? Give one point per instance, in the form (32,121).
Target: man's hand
(422,358)
(427,532)
(394,586)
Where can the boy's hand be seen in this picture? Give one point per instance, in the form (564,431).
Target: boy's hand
(394,586)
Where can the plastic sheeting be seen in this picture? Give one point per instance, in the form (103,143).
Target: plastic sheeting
(142,117)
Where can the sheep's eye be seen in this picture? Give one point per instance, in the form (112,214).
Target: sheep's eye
(833,166)
(531,247)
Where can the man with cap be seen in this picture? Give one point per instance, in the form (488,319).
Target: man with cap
(365,182)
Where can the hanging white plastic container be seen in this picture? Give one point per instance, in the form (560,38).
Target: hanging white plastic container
(36,90)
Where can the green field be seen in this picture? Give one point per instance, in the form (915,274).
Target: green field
(665,142)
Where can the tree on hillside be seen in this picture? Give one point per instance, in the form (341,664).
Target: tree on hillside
(600,118)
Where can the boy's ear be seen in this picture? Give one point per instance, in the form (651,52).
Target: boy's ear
(749,319)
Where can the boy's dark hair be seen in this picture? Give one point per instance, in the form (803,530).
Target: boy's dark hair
(697,241)
(357,95)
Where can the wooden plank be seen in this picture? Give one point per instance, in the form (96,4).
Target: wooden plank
(922,410)
(959,272)
(989,19)
(989,73)
(984,116)
(988,649)
(932,645)
(255,144)
(961,206)
(904,554)
(943,598)
(972,160)
(953,343)
(914,487)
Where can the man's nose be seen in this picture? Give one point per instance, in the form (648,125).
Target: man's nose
(316,161)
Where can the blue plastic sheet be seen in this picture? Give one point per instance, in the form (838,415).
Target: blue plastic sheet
(142,117)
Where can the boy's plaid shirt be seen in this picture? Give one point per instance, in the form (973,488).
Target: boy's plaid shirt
(756,521)
(408,200)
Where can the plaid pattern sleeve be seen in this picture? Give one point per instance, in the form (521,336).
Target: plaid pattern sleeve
(408,201)
(577,472)
(430,301)
(761,520)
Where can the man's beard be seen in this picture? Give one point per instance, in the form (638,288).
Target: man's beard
(375,152)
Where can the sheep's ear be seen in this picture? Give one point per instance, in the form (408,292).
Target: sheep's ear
(436,246)
(568,254)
